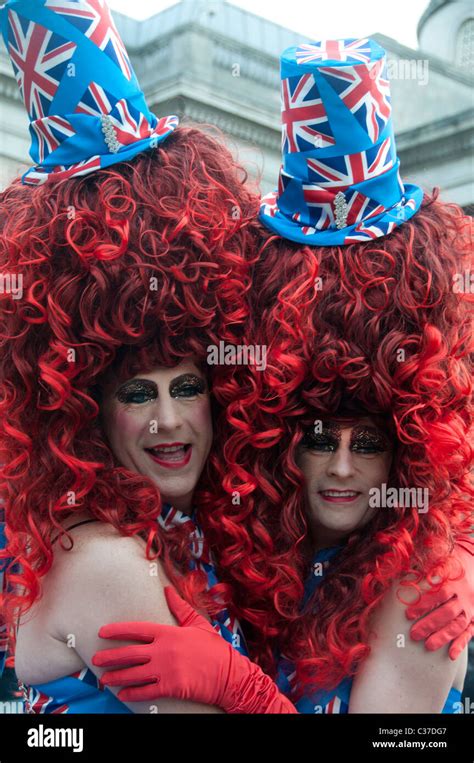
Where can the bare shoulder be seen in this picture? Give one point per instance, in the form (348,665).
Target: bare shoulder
(105,578)
(104,572)
(400,674)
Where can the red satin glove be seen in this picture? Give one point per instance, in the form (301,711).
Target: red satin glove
(453,620)
(191,662)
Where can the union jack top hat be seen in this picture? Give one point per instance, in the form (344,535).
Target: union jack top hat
(339,182)
(85,105)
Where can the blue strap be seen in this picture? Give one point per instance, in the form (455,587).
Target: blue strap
(453,702)
(72,694)
(3,564)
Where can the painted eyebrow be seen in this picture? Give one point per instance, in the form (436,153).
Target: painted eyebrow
(136,380)
(372,431)
(371,428)
(332,429)
(189,376)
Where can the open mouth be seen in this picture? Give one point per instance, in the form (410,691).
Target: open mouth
(339,496)
(172,456)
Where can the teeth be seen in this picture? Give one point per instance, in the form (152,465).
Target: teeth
(170,449)
(340,493)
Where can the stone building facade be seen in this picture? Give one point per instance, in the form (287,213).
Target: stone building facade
(212,62)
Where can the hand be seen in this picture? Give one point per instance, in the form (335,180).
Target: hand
(453,618)
(190,661)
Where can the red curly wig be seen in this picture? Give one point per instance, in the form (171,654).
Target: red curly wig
(145,263)
(381,327)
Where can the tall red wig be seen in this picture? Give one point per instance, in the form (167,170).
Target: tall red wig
(382,327)
(145,263)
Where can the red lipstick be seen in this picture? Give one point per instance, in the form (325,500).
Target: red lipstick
(173,455)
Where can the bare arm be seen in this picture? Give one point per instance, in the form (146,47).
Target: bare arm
(400,675)
(104,579)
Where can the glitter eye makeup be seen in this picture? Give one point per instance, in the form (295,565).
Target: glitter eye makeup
(187,385)
(327,441)
(368,440)
(137,392)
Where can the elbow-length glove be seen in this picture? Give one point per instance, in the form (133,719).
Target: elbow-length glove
(190,662)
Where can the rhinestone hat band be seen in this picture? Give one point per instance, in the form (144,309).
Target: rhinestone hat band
(341,209)
(109,133)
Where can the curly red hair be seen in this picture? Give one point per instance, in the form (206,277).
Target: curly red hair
(145,263)
(384,331)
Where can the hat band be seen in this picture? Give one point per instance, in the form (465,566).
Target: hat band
(325,208)
(75,137)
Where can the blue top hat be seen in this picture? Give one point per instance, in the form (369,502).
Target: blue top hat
(339,182)
(83,99)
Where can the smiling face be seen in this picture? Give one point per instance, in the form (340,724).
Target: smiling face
(341,464)
(159,424)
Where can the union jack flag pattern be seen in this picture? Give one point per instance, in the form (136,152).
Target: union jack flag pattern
(365,91)
(39,58)
(50,132)
(95,101)
(336,706)
(269,204)
(401,212)
(322,205)
(320,199)
(202,559)
(307,230)
(343,171)
(334,50)
(79,692)
(94,20)
(62,172)
(320,702)
(131,125)
(339,178)
(365,232)
(305,123)
(54,45)
(36,702)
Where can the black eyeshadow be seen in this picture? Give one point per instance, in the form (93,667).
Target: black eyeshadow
(137,387)
(187,381)
(368,437)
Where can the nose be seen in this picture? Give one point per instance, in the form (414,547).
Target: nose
(341,463)
(167,413)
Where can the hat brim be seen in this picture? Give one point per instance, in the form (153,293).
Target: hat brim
(39,174)
(370,228)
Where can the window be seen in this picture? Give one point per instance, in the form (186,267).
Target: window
(465,45)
